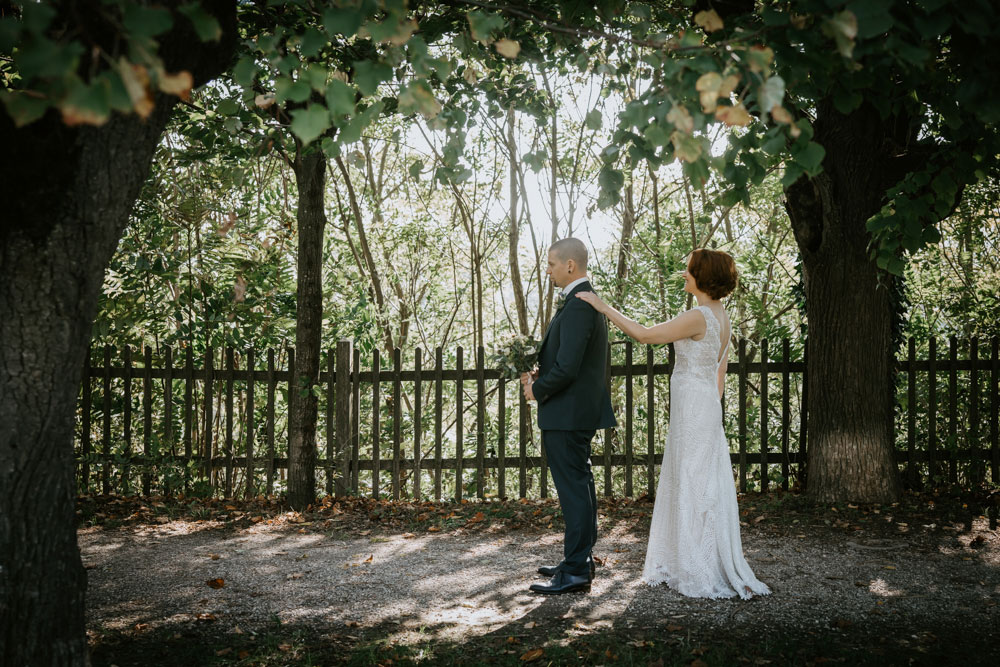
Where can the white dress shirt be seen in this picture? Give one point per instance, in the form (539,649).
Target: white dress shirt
(569,288)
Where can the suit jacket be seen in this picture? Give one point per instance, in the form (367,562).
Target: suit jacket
(571,388)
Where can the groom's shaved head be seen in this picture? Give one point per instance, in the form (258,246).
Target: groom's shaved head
(571,249)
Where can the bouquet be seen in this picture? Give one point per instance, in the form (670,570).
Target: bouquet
(514,355)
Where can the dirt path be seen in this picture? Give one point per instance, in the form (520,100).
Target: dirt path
(911,581)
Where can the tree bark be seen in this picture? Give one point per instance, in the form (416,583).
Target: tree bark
(849,310)
(310,178)
(67,194)
(514,231)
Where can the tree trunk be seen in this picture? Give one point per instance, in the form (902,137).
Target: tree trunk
(310,178)
(849,310)
(514,232)
(67,194)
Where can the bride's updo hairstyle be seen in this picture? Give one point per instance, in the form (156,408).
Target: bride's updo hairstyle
(714,271)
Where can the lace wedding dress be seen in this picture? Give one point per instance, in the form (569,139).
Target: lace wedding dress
(694,540)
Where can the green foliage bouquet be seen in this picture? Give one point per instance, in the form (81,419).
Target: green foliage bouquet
(514,355)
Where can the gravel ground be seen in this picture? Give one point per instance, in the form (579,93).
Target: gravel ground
(914,581)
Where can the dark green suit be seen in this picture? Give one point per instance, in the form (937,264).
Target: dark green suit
(573,402)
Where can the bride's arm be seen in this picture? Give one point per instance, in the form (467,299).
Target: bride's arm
(685,325)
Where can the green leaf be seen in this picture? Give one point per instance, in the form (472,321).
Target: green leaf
(846,101)
(656,135)
(933,25)
(312,42)
(418,97)
(228,107)
(146,22)
(87,104)
(245,71)
(342,21)
(809,157)
(22,108)
(206,25)
(793,172)
(309,123)
(774,17)
(415,168)
(47,59)
(36,16)
(594,120)
(771,93)
(286,89)
(10,30)
(340,98)
(873,17)
(843,28)
(483,25)
(368,75)
(611,179)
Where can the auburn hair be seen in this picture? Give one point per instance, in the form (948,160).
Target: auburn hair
(714,272)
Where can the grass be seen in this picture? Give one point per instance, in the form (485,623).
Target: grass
(287,646)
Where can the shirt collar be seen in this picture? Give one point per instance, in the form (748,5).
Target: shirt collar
(569,288)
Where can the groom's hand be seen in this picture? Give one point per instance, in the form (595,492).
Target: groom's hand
(528,393)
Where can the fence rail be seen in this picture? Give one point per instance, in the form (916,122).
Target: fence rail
(172,424)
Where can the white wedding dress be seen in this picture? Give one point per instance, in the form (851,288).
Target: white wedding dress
(694,540)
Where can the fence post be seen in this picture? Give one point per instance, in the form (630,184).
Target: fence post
(230,371)
(188,414)
(355,419)
(85,429)
(994,409)
(147,417)
(332,420)
(376,422)
(976,466)
(629,409)
(342,380)
(742,412)
(932,410)
(249,487)
(127,418)
(480,423)
(417,418)
(106,426)
(764,481)
(650,422)
(911,412)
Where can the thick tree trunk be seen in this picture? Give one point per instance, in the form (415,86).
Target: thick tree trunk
(849,311)
(67,194)
(310,177)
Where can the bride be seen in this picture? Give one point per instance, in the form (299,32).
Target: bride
(694,540)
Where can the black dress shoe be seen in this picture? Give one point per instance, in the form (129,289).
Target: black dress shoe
(563,583)
(550,570)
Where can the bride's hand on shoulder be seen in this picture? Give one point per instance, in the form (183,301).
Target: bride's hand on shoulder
(593,300)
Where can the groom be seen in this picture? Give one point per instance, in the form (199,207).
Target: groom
(573,402)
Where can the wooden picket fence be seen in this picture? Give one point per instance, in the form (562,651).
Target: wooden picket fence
(768,429)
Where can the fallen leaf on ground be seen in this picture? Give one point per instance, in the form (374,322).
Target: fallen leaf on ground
(215,583)
(214,556)
(224,651)
(530,625)
(532,655)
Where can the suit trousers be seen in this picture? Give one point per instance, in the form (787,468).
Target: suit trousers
(568,454)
